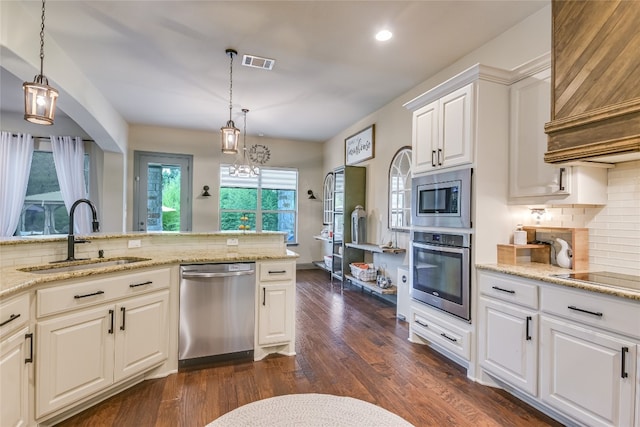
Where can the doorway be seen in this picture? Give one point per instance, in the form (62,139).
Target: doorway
(162,191)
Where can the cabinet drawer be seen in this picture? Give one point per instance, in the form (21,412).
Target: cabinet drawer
(509,288)
(14,313)
(610,313)
(89,292)
(281,270)
(441,332)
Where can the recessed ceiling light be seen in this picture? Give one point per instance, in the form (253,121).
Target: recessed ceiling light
(384,35)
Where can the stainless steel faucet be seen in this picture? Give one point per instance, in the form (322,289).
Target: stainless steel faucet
(71,240)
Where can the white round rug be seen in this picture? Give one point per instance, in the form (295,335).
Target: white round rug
(309,410)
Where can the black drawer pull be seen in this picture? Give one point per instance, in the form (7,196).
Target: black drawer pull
(277,271)
(89,295)
(528,333)
(10,319)
(623,373)
(30,338)
(593,313)
(421,323)
(135,285)
(509,291)
(448,337)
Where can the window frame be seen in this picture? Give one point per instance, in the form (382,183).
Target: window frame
(395,171)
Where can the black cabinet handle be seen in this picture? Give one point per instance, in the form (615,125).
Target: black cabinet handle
(111,326)
(30,338)
(277,271)
(528,333)
(264,296)
(623,373)
(593,313)
(421,323)
(135,285)
(89,295)
(448,337)
(509,291)
(439,156)
(10,319)
(561,178)
(433,158)
(123,310)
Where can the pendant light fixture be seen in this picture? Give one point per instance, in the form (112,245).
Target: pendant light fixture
(229,133)
(39,97)
(243,167)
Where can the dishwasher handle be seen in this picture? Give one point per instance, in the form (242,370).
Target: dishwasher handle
(208,274)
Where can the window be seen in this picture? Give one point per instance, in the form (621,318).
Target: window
(327,199)
(400,190)
(268,202)
(44,211)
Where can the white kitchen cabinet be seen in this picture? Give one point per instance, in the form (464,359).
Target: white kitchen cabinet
(588,375)
(442,132)
(92,334)
(275,301)
(16,357)
(531,180)
(509,344)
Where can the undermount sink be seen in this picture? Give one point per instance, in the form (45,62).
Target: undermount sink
(67,266)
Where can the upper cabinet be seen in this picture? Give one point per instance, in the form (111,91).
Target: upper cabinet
(442,132)
(595,108)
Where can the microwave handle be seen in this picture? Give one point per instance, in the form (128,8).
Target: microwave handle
(449,249)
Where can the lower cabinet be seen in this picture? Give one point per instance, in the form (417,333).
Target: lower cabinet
(14,379)
(87,348)
(589,375)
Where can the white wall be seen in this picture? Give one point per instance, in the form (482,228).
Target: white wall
(207,157)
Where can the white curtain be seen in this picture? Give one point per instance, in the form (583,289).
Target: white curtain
(68,155)
(15,164)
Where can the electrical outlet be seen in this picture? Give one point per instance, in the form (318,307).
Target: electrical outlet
(135,243)
(232,242)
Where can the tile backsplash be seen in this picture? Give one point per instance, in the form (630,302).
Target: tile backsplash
(614,229)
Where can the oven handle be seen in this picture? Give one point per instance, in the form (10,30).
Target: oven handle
(450,249)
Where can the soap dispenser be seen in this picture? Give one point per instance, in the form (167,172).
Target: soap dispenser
(564,255)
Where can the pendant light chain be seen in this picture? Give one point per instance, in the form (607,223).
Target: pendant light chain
(230,85)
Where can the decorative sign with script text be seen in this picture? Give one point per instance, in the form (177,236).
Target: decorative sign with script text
(359,147)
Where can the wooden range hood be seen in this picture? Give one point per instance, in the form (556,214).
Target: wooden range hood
(595,105)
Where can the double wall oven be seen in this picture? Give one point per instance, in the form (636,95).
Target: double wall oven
(441,241)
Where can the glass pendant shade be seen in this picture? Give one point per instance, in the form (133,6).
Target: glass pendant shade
(230,135)
(39,101)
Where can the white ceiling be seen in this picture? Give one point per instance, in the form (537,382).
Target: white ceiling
(164,62)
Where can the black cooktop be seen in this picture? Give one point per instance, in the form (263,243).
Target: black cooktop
(606,278)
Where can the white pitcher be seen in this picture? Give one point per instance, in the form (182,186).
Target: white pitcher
(564,255)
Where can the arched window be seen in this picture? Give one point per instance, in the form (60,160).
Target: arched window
(400,190)
(327,199)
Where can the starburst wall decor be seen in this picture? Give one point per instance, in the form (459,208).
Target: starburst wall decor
(259,154)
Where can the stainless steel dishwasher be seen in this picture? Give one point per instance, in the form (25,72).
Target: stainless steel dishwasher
(217,312)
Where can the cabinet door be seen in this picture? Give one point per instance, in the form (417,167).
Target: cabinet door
(425,138)
(275,313)
(142,340)
(456,134)
(75,357)
(586,374)
(509,344)
(529,175)
(14,380)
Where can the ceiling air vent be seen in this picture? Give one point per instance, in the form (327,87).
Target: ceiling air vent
(258,62)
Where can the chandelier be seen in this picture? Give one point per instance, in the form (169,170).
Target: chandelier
(243,167)
(39,97)
(230,133)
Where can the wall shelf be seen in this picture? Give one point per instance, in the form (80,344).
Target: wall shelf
(371,286)
(370,247)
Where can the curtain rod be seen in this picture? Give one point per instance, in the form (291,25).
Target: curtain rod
(46,137)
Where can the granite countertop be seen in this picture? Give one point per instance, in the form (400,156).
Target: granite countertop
(547,272)
(15,279)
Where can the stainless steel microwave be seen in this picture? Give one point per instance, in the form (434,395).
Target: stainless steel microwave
(442,199)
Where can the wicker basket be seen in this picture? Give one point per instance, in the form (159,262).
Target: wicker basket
(365,274)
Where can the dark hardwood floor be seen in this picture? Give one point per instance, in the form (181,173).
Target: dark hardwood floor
(348,344)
